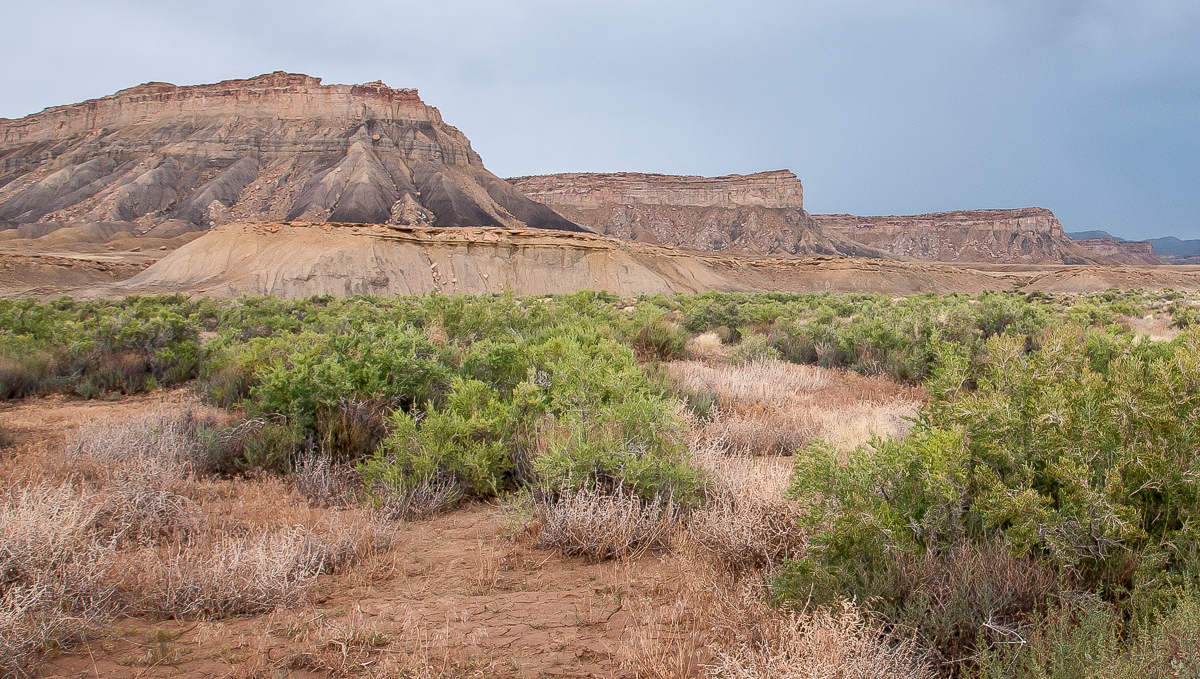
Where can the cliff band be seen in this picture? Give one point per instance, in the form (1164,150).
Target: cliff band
(1025,236)
(759,213)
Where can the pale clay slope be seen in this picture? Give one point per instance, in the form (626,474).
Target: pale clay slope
(293,260)
(296,261)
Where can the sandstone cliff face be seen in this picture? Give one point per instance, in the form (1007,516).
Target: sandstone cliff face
(1028,235)
(279,146)
(759,213)
(1125,252)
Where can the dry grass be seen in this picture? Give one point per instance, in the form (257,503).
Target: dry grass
(718,625)
(746,522)
(773,407)
(429,496)
(324,482)
(707,346)
(603,524)
(134,530)
(825,643)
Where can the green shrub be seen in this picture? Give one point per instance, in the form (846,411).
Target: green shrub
(1074,456)
(659,339)
(754,347)
(1088,639)
(268,444)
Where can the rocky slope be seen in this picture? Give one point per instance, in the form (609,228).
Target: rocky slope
(759,213)
(162,158)
(1029,235)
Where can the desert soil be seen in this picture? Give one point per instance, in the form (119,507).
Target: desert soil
(456,596)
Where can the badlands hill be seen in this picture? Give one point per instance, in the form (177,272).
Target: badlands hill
(159,160)
(759,213)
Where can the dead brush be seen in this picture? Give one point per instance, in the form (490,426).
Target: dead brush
(746,523)
(603,524)
(154,452)
(345,648)
(133,515)
(425,497)
(325,483)
(773,407)
(31,623)
(226,576)
(824,643)
(52,573)
(47,543)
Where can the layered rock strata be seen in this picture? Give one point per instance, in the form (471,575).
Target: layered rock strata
(280,146)
(1125,252)
(1028,235)
(759,213)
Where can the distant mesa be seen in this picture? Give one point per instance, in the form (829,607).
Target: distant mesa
(281,146)
(760,213)
(1021,236)
(1169,249)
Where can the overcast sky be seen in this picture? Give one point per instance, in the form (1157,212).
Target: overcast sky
(1088,107)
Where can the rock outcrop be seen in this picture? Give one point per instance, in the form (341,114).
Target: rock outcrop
(280,146)
(1026,236)
(759,213)
(1123,251)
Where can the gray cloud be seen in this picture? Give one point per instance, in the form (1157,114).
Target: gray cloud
(1088,107)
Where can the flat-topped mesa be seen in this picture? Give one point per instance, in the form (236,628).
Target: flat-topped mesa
(1026,235)
(759,213)
(280,146)
(279,95)
(776,189)
(1126,252)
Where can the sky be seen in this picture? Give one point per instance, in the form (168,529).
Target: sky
(1090,108)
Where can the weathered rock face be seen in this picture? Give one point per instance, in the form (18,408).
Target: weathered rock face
(1125,252)
(279,146)
(1028,235)
(757,213)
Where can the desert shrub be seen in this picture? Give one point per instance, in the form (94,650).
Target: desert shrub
(754,348)
(659,339)
(583,410)
(23,372)
(324,482)
(1088,639)
(831,642)
(321,373)
(268,443)
(1185,317)
(1072,456)
(602,523)
(92,348)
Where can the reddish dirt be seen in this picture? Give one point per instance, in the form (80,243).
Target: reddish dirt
(455,596)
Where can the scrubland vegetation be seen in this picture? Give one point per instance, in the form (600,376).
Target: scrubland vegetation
(1003,485)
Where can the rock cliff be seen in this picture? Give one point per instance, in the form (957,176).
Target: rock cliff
(1125,252)
(280,146)
(1028,235)
(760,213)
